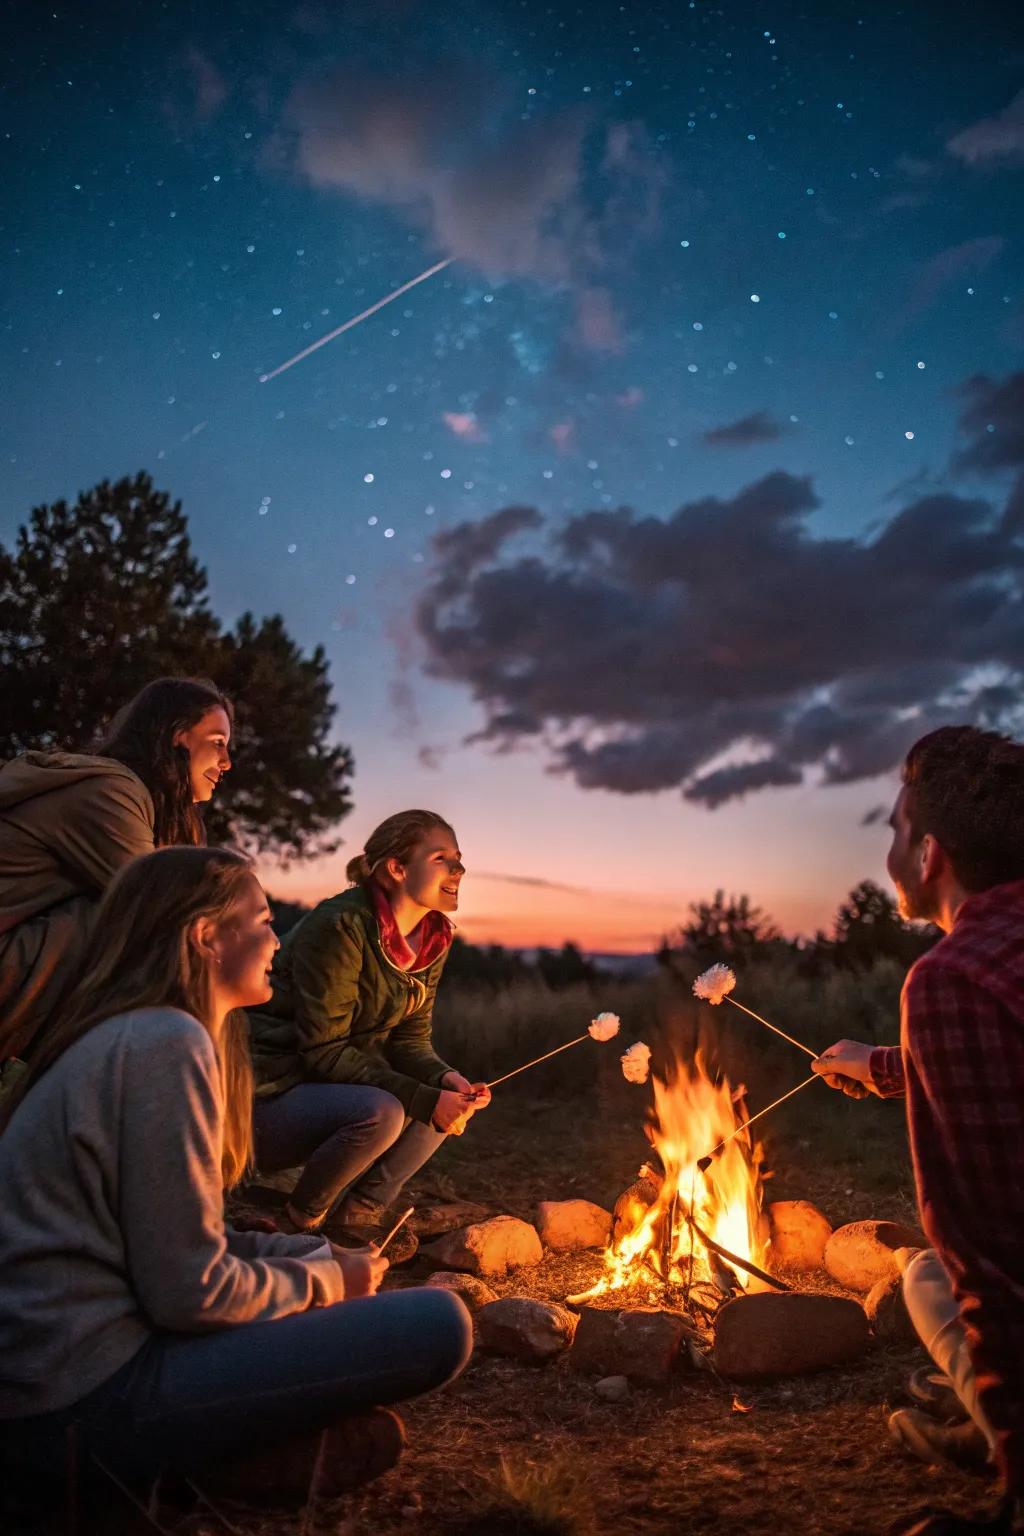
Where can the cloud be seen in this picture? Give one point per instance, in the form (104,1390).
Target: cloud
(630,398)
(211,89)
(465,425)
(758,427)
(993,139)
(993,420)
(952,265)
(597,324)
(446,147)
(731,646)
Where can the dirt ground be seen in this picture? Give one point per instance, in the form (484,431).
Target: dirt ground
(512,1448)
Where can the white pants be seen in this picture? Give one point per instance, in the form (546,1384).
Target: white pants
(928,1292)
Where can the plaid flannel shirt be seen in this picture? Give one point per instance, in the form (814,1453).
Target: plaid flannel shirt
(961,1065)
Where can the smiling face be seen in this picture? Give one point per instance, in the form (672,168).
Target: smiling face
(244,945)
(434,872)
(206,743)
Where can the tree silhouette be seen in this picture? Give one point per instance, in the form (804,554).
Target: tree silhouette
(724,929)
(868,927)
(99,597)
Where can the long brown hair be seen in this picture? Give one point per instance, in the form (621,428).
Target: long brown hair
(147,958)
(395,838)
(142,737)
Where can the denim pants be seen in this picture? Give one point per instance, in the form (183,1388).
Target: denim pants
(347,1137)
(928,1292)
(193,1401)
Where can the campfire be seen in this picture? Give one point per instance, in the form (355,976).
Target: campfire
(686,1221)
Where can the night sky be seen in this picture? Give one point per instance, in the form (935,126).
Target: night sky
(645,536)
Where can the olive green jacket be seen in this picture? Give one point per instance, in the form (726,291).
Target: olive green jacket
(68,822)
(342,1012)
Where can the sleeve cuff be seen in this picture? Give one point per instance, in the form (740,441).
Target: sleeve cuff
(423,1102)
(886,1067)
(328,1281)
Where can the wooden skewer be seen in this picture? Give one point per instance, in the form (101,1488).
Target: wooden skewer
(538,1059)
(798,1043)
(399,1223)
(705,1162)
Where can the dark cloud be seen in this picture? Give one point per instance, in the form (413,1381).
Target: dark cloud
(758,427)
(949,266)
(447,147)
(993,420)
(993,140)
(731,646)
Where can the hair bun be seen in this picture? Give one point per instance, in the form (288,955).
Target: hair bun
(357,870)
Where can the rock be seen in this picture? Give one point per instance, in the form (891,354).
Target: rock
(525,1329)
(887,1313)
(632,1204)
(565,1225)
(472,1290)
(445,1216)
(799,1233)
(641,1344)
(488,1247)
(862,1253)
(614,1389)
(778,1333)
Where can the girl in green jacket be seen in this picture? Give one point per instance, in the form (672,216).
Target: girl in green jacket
(68,823)
(348,1083)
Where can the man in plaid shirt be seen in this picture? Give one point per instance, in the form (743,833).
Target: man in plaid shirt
(957,859)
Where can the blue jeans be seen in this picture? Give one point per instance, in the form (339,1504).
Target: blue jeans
(347,1137)
(193,1401)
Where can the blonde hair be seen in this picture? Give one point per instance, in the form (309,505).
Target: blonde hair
(396,838)
(147,959)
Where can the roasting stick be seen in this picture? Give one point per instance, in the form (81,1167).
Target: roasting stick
(398,1224)
(714,985)
(798,1043)
(537,1061)
(602,1028)
(705,1162)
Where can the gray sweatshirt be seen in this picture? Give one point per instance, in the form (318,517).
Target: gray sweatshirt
(111,1215)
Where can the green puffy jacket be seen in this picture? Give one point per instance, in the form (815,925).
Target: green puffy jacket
(342,1012)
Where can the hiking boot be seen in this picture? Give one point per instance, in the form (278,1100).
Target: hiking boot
(348,1454)
(958,1445)
(400,1250)
(357,1450)
(933,1391)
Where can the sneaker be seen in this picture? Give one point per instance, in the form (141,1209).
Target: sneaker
(958,1445)
(933,1391)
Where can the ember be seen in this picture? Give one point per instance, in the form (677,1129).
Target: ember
(665,1244)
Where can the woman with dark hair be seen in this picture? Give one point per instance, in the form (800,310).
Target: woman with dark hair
(69,821)
(348,1083)
(129,1316)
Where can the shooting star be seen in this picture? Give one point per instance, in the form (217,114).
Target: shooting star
(396,293)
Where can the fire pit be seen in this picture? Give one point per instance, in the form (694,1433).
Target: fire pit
(691,1233)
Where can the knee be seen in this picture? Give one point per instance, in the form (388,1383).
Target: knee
(385,1117)
(447,1323)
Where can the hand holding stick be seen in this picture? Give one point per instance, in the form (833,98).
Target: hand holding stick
(396,1228)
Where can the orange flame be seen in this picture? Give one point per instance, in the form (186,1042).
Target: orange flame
(692,1115)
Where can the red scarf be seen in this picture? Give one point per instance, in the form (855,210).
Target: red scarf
(435,927)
